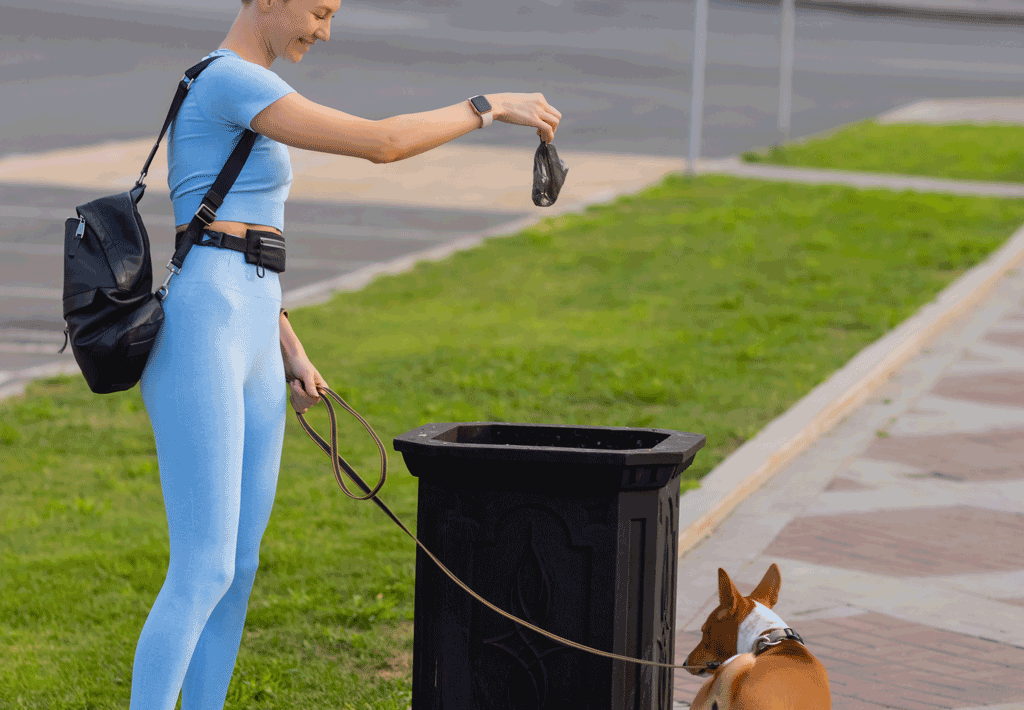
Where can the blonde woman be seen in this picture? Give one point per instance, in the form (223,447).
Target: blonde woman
(215,383)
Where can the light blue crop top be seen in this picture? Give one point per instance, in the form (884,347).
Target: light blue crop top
(219,106)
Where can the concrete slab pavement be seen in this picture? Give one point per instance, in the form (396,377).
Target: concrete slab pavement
(1008,110)
(487,178)
(898,530)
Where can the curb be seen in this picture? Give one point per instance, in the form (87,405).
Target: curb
(18,380)
(735,166)
(752,465)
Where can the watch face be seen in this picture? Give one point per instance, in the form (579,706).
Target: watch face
(481,104)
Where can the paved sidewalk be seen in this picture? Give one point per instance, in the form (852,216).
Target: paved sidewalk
(898,533)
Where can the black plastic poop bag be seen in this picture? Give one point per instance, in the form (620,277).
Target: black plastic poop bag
(549,173)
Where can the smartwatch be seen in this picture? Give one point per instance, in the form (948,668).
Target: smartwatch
(483,109)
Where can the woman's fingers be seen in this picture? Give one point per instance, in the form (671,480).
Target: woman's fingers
(532,110)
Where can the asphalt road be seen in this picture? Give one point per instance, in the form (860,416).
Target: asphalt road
(619,70)
(79,72)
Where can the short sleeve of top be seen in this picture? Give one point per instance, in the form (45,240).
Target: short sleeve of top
(218,108)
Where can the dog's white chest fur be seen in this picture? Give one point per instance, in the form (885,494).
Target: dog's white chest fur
(758,621)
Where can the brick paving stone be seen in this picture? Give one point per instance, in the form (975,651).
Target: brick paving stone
(845,643)
(911,542)
(992,455)
(1013,338)
(684,689)
(938,685)
(1006,388)
(966,667)
(922,665)
(841,679)
(874,693)
(913,700)
(868,623)
(843,703)
(684,684)
(867,639)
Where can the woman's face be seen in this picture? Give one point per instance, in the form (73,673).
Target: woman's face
(297,24)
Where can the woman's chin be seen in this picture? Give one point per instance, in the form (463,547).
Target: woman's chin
(296,52)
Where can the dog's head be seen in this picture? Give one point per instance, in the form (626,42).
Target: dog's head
(721,630)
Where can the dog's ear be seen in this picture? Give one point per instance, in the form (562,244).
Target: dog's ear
(728,595)
(767,591)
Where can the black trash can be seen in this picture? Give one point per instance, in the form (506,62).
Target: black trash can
(573,529)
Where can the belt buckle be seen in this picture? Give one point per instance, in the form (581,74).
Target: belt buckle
(216,238)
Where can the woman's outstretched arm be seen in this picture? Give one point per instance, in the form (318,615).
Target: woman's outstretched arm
(296,121)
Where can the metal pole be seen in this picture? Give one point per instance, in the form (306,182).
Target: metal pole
(700,44)
(786,66)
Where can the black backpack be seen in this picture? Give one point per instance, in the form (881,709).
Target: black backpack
(111,315)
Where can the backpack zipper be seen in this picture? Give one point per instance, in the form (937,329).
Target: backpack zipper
(79,233)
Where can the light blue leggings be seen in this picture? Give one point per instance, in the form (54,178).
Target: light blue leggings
(215,392)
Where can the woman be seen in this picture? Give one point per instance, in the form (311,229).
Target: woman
(214,386)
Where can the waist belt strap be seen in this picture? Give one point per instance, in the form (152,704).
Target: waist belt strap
(217,239)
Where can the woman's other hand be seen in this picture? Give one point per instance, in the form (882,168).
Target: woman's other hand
(303,380)
(527,110)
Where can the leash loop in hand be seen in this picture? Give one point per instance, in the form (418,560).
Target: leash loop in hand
(332,451)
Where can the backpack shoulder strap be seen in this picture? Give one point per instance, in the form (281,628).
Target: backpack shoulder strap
(214,197)
(207,212)
(179,98)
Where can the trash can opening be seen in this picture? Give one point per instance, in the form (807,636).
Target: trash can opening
(552,436)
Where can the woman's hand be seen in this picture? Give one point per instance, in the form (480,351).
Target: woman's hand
(527,110)
(303,380)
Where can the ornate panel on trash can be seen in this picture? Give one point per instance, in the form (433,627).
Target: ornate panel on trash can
(533,557)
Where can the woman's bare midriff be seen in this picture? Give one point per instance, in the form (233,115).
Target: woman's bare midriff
(237,229)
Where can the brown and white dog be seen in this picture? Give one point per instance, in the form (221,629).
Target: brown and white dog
(759,662)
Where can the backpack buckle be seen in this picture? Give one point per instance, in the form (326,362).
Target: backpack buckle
(207,217)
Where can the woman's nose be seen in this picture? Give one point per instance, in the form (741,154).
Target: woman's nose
(323,34)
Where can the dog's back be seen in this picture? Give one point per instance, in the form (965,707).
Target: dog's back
(785,677)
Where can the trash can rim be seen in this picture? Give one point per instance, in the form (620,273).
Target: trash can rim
(676,448)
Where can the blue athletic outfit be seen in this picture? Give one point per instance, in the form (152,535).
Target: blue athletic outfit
(215,393)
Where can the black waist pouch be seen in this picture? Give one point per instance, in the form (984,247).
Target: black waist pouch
(265,249)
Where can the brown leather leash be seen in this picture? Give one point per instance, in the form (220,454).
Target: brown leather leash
(340,463)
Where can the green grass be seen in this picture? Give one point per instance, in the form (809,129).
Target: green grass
(964,152)
(708,305)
